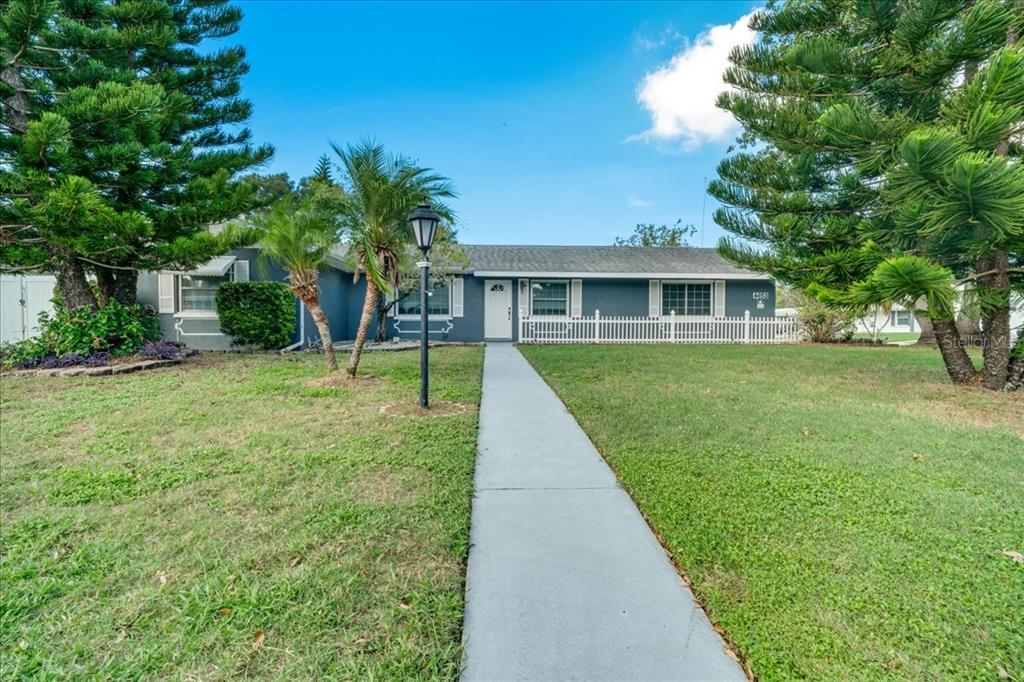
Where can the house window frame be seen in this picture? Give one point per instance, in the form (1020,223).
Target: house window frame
(568,299)
(711,302)
(894,318)
(430,316)
(179,311)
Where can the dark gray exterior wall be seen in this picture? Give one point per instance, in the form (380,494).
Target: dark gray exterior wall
(616,297)
(466,329)
(739,297)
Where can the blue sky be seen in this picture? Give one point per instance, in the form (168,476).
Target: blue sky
(559,123)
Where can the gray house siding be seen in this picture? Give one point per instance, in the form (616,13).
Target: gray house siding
(740,297)
(615,297)
(466,329)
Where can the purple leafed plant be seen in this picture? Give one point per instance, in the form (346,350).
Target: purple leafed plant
(53,362)
(160,350)
(96,359)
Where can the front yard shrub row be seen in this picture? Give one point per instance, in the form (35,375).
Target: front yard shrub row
(258,314)
(88,337)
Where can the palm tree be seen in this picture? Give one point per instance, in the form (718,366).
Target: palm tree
(298,234)
(381,191)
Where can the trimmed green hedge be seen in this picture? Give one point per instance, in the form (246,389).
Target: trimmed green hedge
(257,313)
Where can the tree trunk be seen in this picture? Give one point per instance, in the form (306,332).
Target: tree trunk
(954,355)
(317,313)
(116,285)
(995,319)
(369,306)
(105,285)
(126,287)
(382,321)
(74,288)
(305,285)
(1015,372)
(927,337)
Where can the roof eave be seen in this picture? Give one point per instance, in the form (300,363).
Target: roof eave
(621,275)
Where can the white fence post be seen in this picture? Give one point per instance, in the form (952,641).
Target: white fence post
(746,326)
(522,326)
(597,326)
(672,327)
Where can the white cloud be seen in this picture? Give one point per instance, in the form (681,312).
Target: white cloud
(648,39)
(680,96)
(636,202)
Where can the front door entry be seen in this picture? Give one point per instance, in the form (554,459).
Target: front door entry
(498,309)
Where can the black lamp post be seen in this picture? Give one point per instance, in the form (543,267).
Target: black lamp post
(424,226)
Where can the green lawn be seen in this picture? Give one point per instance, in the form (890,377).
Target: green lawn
(228,519)
(841,511)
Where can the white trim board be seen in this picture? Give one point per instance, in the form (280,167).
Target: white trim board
(703,276)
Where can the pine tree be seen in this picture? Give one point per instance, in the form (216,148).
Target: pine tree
(323,172)
(116,152)
(885,131)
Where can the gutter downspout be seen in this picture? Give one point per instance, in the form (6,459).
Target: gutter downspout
(302,330)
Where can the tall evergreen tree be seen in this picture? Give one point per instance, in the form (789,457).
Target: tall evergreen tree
(116,152)
(884,159)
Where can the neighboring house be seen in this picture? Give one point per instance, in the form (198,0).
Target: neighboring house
(486,299)
(896,320)
(22,299)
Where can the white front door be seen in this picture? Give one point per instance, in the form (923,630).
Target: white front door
(498,309)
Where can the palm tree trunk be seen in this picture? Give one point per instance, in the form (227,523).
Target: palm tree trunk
(313,306)
(954,355)
(369,308)
(382,321)
(305,285)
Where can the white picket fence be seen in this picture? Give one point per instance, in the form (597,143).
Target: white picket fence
(668,329)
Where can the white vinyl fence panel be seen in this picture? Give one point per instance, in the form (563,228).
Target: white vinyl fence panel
(668,329)
(22,299)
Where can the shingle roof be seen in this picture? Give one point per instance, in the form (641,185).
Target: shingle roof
(593,260)
(600,260)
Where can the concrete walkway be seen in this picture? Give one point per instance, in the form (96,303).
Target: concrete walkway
(565,579)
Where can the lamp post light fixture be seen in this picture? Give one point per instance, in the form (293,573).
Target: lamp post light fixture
(424,223)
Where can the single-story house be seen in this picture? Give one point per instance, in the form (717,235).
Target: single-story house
(486,300)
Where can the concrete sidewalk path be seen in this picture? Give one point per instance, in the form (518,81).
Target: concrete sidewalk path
(565,580)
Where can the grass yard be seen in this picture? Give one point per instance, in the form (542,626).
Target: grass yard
(228,519)
(841,511)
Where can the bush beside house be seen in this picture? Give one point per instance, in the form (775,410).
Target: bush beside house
(257,313)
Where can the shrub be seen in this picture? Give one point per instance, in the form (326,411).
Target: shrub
(25,354)
(160,350)
(257,313)
(823,324)
(115,328)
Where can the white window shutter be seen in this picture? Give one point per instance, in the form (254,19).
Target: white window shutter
(524,296)
(457,297)
(719,298)
(576,298)
(654,298)
(165,292)
(241,271)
